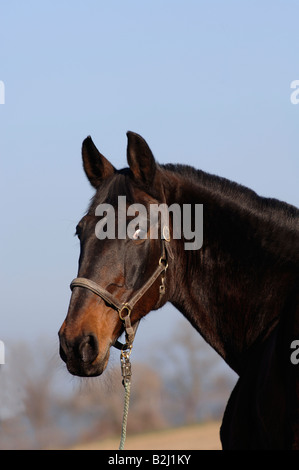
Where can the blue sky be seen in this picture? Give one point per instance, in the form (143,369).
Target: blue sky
(205,82)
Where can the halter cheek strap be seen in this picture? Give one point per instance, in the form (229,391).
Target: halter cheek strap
(124,308)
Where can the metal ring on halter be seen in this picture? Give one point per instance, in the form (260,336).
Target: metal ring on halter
(163,262)
(124,307)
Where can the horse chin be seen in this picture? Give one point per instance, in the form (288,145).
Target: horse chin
(93,369)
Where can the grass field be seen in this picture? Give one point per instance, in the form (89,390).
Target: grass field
(201,437)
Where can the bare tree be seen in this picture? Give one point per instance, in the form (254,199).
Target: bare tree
(28,397)
(103,401)
(191,369)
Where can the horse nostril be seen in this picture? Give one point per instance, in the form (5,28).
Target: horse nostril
(84,348)
(88,348)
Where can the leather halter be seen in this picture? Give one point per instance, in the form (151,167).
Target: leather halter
(122,307)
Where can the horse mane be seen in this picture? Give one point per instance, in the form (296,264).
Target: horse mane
(275,220)
(230,189)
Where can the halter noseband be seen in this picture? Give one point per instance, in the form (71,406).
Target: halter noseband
(122,307)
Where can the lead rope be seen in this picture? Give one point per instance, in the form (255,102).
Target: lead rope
(126,372)
(125,354)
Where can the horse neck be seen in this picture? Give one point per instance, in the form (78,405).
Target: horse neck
(228,290)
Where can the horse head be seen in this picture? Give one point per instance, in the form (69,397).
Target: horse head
(118,257)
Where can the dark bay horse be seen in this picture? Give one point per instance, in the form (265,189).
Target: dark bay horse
(240,290)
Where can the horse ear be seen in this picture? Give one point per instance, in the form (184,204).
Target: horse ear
(96,166)
(140,159)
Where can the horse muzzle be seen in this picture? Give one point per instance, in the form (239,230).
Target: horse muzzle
(82,355)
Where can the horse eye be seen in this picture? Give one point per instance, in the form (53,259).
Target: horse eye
(139,234)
